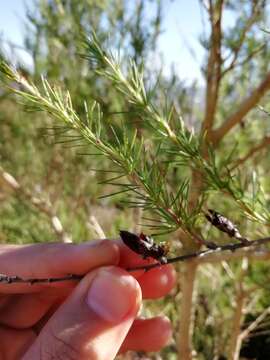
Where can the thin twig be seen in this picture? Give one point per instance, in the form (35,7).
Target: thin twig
(242,37)
(6,279)
(248,58)
(94,225)
(246,332)
(198,254)
(254,324)
(248,104)
(264,143)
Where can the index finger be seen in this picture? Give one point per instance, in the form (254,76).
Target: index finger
(53,260)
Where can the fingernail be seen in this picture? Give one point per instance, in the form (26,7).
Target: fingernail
(112,294)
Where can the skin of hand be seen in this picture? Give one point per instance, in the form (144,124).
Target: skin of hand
(95,318)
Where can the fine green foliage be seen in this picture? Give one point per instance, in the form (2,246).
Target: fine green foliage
(146,172)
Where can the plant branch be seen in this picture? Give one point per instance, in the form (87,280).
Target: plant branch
(7,279)
(200,255)
(244,334)
(213,73)
(255,10)
(146,181)
(240,300)
(248,58)
(248,104)
(218,257)
(144,178)
(206,5)
(186,310)
(133,88)
(265,142)
(94,225)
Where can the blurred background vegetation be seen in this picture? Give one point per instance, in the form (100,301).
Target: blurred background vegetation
(59,189)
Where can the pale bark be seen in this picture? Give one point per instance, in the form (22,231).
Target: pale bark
(236,327)
(248,104)
(213,72)
(264,143)
(95,226)
(244,334)
(186,311)
(238,313)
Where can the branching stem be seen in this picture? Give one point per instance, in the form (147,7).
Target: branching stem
(200,254)
(10,279)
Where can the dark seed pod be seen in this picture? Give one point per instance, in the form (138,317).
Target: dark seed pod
(145,246)
(223,224)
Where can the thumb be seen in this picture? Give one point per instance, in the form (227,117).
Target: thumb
(94,321)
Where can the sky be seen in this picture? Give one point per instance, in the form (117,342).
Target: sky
(178,43)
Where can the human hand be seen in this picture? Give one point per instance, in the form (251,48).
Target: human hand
(90,320)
